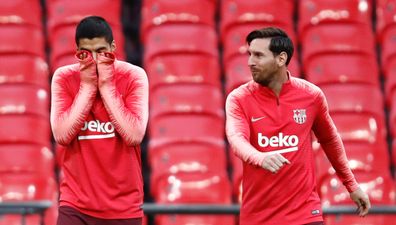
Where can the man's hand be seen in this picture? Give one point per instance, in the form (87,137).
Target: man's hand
(105,68)
(88,72)
(362,201)
(274,162)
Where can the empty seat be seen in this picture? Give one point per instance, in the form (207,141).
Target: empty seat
(180,38)
(157,13)
(392,116)
(270,12)
(26,158)
(385,12)
(366,99)
(187,126)
(24,99)
(21,12)
(315,12)
(187,98)
(24,69)
(342,68)
(378,186)
(237,171)
(13,39)
(195,69)
(388,46)
(361,157)
(64,12)
(18,129)
(390,81)
(63,45)
(336,38)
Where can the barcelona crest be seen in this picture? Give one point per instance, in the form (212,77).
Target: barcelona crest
(299,116)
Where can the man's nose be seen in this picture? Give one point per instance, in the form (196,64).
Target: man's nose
(94,55)
(251,61)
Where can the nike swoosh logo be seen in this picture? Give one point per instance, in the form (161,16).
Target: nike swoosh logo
(257,119)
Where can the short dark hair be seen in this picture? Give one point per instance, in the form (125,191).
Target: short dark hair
(280,41)
(93,26)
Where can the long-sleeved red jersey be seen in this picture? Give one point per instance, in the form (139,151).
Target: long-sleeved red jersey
(100,121)
(259,122)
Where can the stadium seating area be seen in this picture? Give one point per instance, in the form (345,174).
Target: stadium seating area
(194,55)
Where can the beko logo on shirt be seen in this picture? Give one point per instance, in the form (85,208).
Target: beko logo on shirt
(288,141)
(96,126)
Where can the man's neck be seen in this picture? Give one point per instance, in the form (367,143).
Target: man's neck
(276,84)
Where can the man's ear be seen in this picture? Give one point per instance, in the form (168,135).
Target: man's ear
(282,58)
(113,46)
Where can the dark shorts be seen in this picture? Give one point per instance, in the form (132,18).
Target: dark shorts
(316,223)
(70,216)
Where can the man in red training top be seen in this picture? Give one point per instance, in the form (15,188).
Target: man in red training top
(99,113)
(269,123)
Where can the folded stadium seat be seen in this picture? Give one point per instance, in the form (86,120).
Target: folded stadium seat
(385,12)
(176,157)
(21,12)
(366,99)
(361,157)
(63,45)
(186,98)
(334,68)
(234,44)
(13,40)
(159,12)
(194,45)
(24,69)
(237,71)
(195,69)
(25,186)
(24,99)
(336,38)
(188,188)
(19,128)
(180,38)
(378,186)
(316,12)
(17,158)
(64,12)
(387,47)
(267,12)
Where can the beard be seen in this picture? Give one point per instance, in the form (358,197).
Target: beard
(260,77)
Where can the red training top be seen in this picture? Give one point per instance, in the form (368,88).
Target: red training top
(259,122)
(101,120)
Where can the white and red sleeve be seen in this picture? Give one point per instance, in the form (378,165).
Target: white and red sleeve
(68,112)
(129,116)
(331,142)
(238,132)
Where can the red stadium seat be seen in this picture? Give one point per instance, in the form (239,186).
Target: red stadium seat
(187,98)
(361,157)
(336,38)
(18,129)
(392,117)
(180,38)
(63,45)
(195,69)
(366,99)
(388,46)
(159,12)
(186,157)
(360,128)
(316,12)
(269,12)
(390,81)
(356,220)
(64,12)
(237,171)
(24,69)
(26,158)
(210,188)
(379,187)
(24,99)
(385,12)
(21,12)
(342,68)
(187,127)
(13,40)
